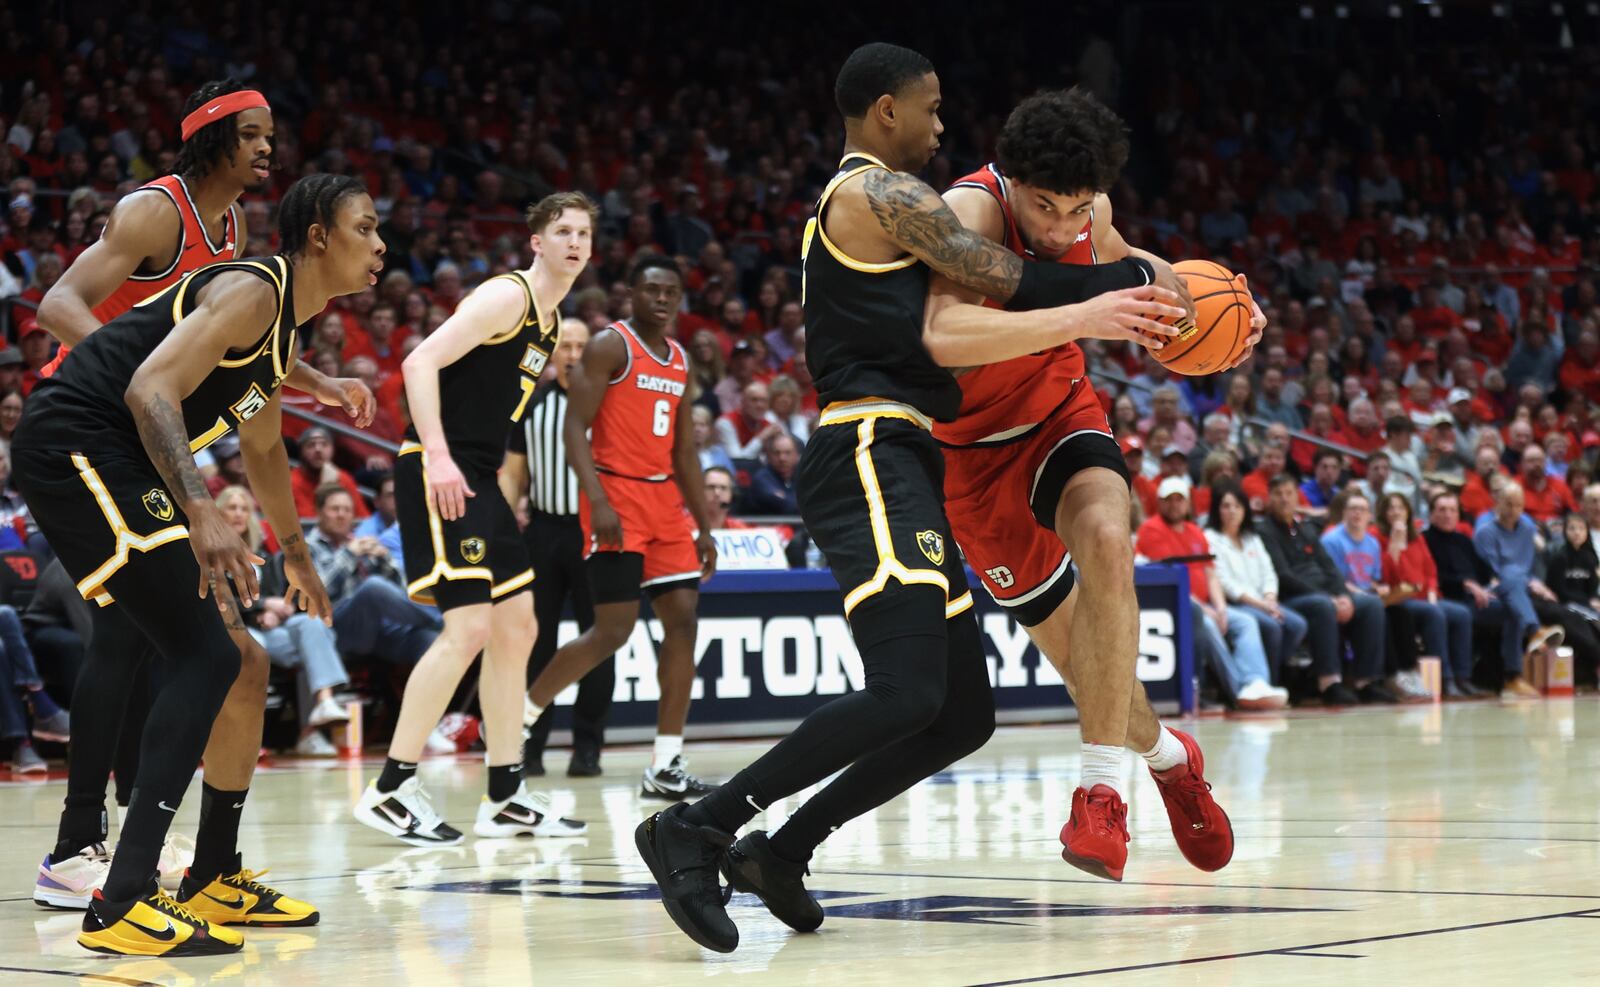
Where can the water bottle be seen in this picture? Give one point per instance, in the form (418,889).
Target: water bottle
(814,557)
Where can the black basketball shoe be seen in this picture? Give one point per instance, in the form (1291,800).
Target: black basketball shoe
(751,866)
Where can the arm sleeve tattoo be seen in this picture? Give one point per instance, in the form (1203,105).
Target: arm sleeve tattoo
(914,216)
(166,441)
(917,219)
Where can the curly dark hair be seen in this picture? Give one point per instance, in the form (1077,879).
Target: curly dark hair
(213,144)
(313,199)
(874,70)
(1064,141)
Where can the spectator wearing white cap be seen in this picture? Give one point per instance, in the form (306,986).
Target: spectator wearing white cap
(1232,634)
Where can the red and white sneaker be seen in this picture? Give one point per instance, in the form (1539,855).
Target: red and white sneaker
(1095,838)
(1202,829)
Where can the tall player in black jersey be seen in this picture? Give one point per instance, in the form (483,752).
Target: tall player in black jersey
(467,385)
(176,224)
(871,496)
(105,457)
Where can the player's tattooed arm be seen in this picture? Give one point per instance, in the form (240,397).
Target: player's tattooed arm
(917,219)
(166,442)
(922,223)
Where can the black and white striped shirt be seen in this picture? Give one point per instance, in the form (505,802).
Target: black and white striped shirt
(553,487)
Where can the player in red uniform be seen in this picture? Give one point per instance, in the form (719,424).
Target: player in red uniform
(640,483)
(154,236)
(1034,480)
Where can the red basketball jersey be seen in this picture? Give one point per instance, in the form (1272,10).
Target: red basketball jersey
(634,431)
(195,250)
(1005,399)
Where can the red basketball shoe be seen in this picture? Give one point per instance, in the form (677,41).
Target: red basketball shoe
(1201,828)
(1095,838)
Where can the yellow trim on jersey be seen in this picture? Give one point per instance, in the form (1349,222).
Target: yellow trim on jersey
(822,234)
(210,435)
(511,585)
(442,569)
(959,605)
(272,337)
(878,513)
(862,409)
(532,307)
(90,586)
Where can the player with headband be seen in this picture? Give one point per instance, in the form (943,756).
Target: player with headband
(156,235)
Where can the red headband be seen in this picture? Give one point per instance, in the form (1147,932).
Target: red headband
(223,106)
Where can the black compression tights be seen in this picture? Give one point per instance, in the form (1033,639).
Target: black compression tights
(200,665)
(926,704)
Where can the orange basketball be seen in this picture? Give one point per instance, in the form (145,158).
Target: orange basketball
(1222,321)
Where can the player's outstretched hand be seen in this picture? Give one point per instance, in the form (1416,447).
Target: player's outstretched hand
(222,555)
(1128,315)
(606,526)
(353,395)
(706,547)
(447,488)
(306,590)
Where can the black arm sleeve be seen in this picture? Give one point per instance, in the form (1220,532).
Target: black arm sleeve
(1049,284)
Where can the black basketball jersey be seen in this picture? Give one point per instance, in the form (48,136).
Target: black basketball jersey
(86,394)
(864,321)
(485,392)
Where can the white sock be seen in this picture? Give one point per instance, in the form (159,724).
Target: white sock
(1167,754)
(667,748)
(531,712)
(1102,765)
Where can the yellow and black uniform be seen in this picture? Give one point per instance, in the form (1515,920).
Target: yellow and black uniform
(872,479)
(77,456)
(479,557)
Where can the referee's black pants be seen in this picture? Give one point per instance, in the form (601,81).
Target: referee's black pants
(555,546)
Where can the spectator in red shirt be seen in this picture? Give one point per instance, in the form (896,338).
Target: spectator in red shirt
(316,468)
(1580,369)
(1144,488)
(1545,497)
(1364,432)
(1258,481)
(1413,579)
(37,348)
(1433,318)
(384,339)
(1477,494)
(1405,341)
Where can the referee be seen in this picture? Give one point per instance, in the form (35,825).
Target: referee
(536,464)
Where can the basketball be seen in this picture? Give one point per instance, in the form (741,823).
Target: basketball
(1222,321)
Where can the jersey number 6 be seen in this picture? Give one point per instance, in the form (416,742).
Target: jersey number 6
(663,420)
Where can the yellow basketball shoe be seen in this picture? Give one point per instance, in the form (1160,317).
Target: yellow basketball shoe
(154,925)
(239,899)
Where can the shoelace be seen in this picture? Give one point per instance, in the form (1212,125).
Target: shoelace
(423,810)
(1114,820)
(246,879)
(678,770)
(1194,790)
(170,905)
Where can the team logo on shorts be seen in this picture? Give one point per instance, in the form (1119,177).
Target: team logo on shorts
(932,545)
(158,504)
(472,549)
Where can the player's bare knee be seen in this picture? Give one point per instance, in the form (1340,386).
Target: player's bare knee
(1102,548)
(466,634)
(611,635)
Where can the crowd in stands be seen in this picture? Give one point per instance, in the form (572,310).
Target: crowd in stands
(1424,243)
